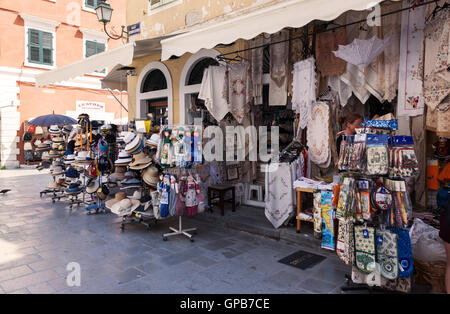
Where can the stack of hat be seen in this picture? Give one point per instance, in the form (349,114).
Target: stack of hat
(43,145)
(153,141)
(151,176)
(141,161)
(123,159)
(58,139)
(73,189)
(57,184)
(121,205)
(144,200)
(69,159)
(83,157)
(54,154)
(131,181)
(54,130)
(119,174)
(56,170)
(134,143)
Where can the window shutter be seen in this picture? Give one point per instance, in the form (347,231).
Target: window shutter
(47,48)
(34,46)
(100,48)
(90,48)
(90,3)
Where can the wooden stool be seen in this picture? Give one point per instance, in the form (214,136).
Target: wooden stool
(221,189)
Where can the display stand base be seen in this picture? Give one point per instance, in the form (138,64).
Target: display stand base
(180,231)
(141,219)
(351,286)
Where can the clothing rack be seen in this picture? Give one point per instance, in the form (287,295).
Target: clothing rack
(327,30)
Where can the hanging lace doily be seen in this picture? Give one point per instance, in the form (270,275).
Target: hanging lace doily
(304,89)
(317,133)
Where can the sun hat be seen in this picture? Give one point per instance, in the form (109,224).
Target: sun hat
(125,207)
(56,170)
(151,176)
(92,187)
(67,129)
(74,188)
(133,145)
(103,192)
(132,183)
(72,173)
(139,159)
(117,198)
(53,154)
(138,149)
(154,140)
(54,129)
(128,137)
(37,142)
(124,158)
(58,139)
(53,185)
(69,159)
(119,173)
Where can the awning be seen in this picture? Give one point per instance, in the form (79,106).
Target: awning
(113,59)
(107,59)
(271,19)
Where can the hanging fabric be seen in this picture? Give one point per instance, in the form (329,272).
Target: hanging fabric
(238,86)
(327,42)
(343,90)
(279,56)
(304,89)
(212,91)
(410,90)
(317,135)
(257,57)
(279,195)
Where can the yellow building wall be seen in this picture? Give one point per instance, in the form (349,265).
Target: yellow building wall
(175,68)
(181,14)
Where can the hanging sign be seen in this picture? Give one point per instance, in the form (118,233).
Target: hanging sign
(89,106)
(134,29)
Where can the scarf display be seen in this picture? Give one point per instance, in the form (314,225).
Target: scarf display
(212,91)
(410,90)
(279,69)
(304,89)
(327,42)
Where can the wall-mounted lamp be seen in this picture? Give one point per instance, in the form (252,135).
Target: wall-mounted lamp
(104,13)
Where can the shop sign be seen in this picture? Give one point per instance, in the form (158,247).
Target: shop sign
(89,106)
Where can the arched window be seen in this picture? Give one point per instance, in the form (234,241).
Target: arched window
(190,82)
(154,94)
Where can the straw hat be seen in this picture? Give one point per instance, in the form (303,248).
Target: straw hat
(119,173)
(103,192)
(154,140)
(117,198)
(69,159)
(128,137)
(123,159)
(67,129)
(53,153)
(141,161)
(133,145)
(92,187)
(125,207)
(151,176)
(53,185)
(58,139)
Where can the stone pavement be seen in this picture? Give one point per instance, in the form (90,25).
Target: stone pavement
(39,238)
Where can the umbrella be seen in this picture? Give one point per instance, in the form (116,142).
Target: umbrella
(362,52)
(52,119)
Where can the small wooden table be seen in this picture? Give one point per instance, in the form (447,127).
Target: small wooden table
(221,189)
(300,206)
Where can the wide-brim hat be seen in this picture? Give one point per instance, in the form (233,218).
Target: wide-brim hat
(92,187)
(151,176)
(125,207)
(133,145)
(123,159)
(119,173)
(67,129)
(141,167)
(58,139)
(74,188)
(117,198)
(53,185)
(72,173)
(139,159)
(128,137)
(53,153)
(154,140)
(136,195)
(54,129)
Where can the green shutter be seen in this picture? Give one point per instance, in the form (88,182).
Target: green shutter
(91,3)
(40,47)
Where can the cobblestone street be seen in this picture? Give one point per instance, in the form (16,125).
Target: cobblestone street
(39,238)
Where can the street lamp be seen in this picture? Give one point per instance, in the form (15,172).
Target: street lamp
(104,12)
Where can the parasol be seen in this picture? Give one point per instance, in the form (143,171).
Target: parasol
(362,52)
(52,119)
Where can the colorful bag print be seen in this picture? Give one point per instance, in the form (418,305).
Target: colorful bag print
(327,221)
(387,254)
(365,249)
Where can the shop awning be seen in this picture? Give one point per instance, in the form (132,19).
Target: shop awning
(113,59)
(271,19)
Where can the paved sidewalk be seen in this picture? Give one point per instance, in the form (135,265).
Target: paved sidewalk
(39,238)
